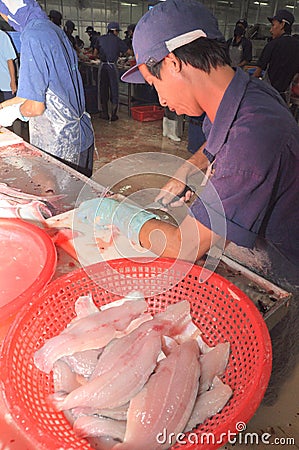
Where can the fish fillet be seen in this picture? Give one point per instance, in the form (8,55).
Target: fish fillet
(93,331)
(213,364)
(99,426)
(165,402)
(123,368)
(209,403)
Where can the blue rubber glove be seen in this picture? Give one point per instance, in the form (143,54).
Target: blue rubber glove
(128,218)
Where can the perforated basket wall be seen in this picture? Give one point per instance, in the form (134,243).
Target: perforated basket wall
(220,309)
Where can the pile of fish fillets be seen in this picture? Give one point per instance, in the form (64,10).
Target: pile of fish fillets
(123,376)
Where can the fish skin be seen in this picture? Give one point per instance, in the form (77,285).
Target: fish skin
(123,368)
(212,364)
(91,332)
(209,403)
(166,401)
(92,426)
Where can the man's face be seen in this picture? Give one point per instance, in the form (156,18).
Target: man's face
(174,88)
(277,28)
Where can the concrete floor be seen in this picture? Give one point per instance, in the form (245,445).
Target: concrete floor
(126,137)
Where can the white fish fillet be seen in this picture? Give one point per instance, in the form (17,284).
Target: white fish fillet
(94,426)
(213,364)
(83,363)
(101,443)
(64,379)
(91,332)
(165,402)
(123,368)
(176,316)
(119,413)
(209,403)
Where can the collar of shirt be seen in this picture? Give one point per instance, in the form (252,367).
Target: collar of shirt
(226,114)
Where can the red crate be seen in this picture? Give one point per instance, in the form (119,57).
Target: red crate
(147,113)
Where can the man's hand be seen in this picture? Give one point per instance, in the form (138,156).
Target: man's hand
(9,114)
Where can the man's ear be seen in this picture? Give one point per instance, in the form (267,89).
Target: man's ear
(173,62)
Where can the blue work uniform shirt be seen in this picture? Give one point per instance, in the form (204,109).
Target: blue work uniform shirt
(110,47)
(49,74)
(254,146)
(7,53)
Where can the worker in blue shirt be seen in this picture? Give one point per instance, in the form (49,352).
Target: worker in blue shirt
(251,154)
(109,48)
(251,157)
(50,92)
(8,79)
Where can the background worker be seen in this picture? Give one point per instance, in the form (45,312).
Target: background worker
(50,91)
(8,74)
(280,57)
(109,48)
(8,78)
(69,28)
(55,17)
(239,47)
(129,36)
(93,36)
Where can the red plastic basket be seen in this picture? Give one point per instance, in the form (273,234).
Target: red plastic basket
(33,265)
(220,309)
(147,113)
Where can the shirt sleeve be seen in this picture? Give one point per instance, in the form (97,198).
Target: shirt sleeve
(234,204)
(7,49)
(34,70)
(123,48)
(265,56)
(247,50)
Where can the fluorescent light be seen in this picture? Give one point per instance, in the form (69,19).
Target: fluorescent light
(290,6)
(261,3)
(128,4)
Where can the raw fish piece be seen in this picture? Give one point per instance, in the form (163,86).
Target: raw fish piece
(83,363)
(64,379)
(165,402)
(123,368)
(84,307)
(119,413)
(177,315)
(123,349)
(209,403)
(213,364)
(91,332)
(101,443)
(99,426)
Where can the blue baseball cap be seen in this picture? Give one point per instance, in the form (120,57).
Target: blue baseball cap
(167,26)
(113,26)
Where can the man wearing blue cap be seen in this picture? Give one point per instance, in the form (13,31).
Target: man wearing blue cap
(280,57)
(50,91)
(252,148)
(109,48)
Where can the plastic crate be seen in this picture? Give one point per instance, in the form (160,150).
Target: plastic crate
(147,113)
